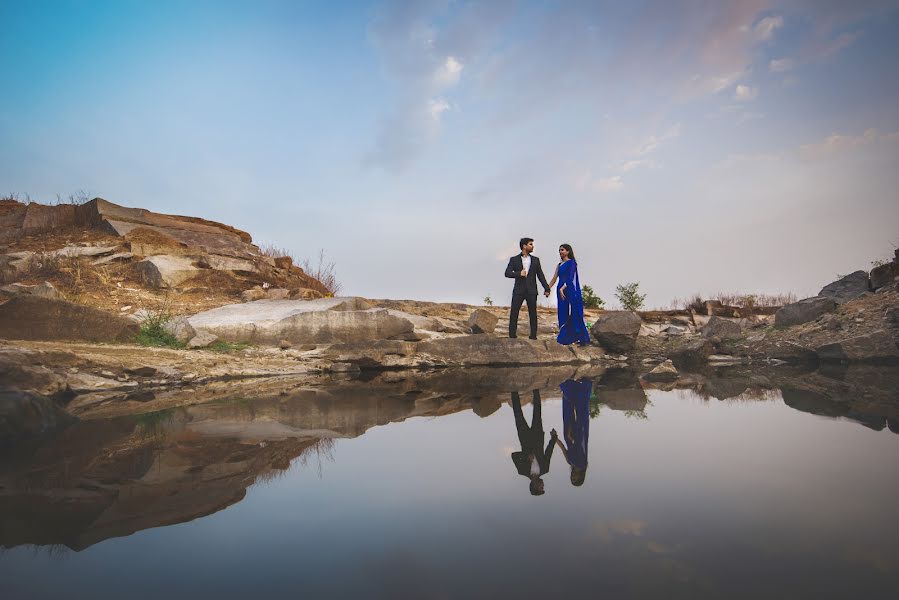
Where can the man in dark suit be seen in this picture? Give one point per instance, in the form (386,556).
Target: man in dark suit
(525,270)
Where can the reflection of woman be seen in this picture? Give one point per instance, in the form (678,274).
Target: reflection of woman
(576,426)
(571,304)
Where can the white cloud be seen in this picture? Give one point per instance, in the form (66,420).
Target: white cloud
(781,65)
(745,93)
(836,142)
(586,183)
(449,72)
(630,165)
(764,29)
(437,106)
(653,142)
(609,184)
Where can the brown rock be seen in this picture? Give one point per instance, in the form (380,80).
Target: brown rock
(884,274)
(35,318)
(721,329)
(277,294)
(617,331)
(482,321)
(847,288)
(283,262)
(692,354)
(166,271)
(876,347)
(252,295)
(804,311)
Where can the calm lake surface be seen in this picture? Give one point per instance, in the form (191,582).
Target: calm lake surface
(423,486)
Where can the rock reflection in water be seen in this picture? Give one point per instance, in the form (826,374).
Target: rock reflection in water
(99,479)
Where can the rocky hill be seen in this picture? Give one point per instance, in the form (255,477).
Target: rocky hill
(126,259)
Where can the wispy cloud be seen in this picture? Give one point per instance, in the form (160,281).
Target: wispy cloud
(781,65)
(837,143)
(765,28)
(745,93)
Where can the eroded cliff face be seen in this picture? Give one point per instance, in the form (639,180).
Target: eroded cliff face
(111,256)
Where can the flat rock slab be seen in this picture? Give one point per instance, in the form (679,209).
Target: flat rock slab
(322,321)
(486,350)
(165,271)
(804,311)
(36,318)
(876,347)
(88,251)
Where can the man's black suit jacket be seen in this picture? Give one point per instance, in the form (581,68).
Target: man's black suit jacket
(525,286)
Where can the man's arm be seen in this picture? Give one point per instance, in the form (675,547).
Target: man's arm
(542,277)
(511,272)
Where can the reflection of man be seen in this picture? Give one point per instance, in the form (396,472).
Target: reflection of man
(533,460)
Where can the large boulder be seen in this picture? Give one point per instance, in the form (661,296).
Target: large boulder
(883,275)
(482,321)
(36,318)
(804,311)
(876,347)
(692,354)
(327,320)
(166,271)
(847,288)
(722,329)
(617,331)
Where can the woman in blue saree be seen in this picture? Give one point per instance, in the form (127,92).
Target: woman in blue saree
(571,303)
(576,426)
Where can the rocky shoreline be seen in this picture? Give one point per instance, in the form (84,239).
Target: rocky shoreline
(236,314)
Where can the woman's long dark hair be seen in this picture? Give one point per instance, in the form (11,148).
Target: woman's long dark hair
(570,250)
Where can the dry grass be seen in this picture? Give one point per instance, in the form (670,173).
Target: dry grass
(738,299)
(324,272)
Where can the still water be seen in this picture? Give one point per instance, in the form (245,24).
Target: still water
(451,485)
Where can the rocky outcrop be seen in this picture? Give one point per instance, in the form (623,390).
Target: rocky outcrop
(328,320)
(847,288)
(877,347)
(883,275)
(804,311)
(147,234)
(482,321)
(23,415)
(166,271)
(36,318)
(722,329)
(617,331)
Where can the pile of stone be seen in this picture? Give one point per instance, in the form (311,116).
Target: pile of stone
(168,250)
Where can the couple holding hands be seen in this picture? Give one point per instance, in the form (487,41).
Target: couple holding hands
(525,269)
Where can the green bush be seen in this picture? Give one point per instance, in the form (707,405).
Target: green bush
(153,330)
(591,300)
(629,296)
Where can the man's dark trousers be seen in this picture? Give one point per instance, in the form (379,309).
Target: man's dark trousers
(517,299)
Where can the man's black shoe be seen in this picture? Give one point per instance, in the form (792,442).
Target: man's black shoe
(531,338)
(512,337)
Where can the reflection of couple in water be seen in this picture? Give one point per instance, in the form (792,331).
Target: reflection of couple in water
(533,459)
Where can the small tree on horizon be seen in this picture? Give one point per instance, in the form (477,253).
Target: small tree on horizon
(629,295)
(591,300)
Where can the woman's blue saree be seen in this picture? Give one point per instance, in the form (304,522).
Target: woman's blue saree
(571,308)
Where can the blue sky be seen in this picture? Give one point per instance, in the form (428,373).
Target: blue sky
(692,146)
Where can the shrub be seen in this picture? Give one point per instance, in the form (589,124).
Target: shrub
(629,295)
(324,272)
(591,300)
(153,331)
(488,301)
